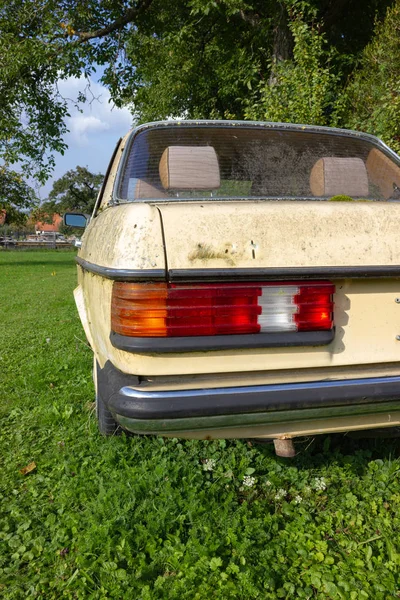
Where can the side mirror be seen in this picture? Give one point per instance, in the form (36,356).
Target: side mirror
(76,220)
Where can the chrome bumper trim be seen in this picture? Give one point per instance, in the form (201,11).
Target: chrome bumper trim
(131,402)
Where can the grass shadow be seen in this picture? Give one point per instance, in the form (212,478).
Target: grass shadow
(341,449)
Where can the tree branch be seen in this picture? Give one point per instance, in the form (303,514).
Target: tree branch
(89,187)
(130,16)
(74,192)
(250,17)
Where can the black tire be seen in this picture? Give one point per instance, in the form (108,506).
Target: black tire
(106,422)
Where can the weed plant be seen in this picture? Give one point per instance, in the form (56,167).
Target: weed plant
(146,518)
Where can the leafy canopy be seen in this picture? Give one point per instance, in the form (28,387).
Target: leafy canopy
(15,196)
(371,100)
(208,59)
(187,58)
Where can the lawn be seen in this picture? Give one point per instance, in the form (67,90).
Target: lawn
(146,518)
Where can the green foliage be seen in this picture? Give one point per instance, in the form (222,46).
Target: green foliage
(39,47)
(371,100)
(304,87)
(206,59)
(75,191)
(192,58)
(15,196)
(31,111)
(151,518)
(199,59)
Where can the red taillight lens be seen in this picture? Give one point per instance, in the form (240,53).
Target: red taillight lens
(315,304)
(170,310)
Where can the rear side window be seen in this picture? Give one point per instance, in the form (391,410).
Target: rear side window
(237,162)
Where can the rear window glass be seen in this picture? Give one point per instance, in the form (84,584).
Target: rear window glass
(237,162)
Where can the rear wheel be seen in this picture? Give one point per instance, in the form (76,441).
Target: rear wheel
(106,422)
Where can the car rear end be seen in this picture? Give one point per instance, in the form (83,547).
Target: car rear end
(256,291)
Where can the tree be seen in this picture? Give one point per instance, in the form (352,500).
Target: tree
(304,88)
(16,196)
(371,99)
(75,191)
(194,58)
(205,59)
(41,42)
(200,59)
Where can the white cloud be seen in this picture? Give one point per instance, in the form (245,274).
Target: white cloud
(93,131)
(81,127)
(98,114)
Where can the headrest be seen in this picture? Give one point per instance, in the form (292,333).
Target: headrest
(189,168)
(138,188)
(332,176)
(383,172)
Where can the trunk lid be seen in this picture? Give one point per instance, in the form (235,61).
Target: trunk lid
(278,234)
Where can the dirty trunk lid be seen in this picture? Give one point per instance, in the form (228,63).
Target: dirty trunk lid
(280,234)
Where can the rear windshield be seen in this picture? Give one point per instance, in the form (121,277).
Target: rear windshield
(227,162)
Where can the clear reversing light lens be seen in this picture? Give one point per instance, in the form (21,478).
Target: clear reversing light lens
(171,310)
(278,307)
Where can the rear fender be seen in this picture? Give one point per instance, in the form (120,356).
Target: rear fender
(80,305)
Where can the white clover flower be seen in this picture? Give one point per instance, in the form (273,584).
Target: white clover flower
(320,484)
(209,464)
(248,481)
(298,499)
(268,483)
(281,493)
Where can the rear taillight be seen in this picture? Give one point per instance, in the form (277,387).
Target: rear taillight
(170,310)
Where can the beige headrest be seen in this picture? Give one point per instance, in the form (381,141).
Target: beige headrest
(383,172)
(331,176)
(189,168)
(138,188)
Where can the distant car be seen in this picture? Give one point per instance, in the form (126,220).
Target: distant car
(242,279)
(77,243)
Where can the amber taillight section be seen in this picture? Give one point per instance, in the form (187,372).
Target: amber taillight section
(172,310)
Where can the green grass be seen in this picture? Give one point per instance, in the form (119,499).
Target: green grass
(148,518)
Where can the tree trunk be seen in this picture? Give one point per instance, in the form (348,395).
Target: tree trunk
(282,47)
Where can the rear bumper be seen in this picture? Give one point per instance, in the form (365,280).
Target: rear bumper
(249,406)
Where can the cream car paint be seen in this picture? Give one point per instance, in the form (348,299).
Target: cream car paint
(208,235)
(280,234)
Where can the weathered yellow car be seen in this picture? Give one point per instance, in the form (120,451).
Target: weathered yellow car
(229,290)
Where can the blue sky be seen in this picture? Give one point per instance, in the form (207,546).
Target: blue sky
(93,133)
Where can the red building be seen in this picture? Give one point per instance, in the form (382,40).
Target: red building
(49,227)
